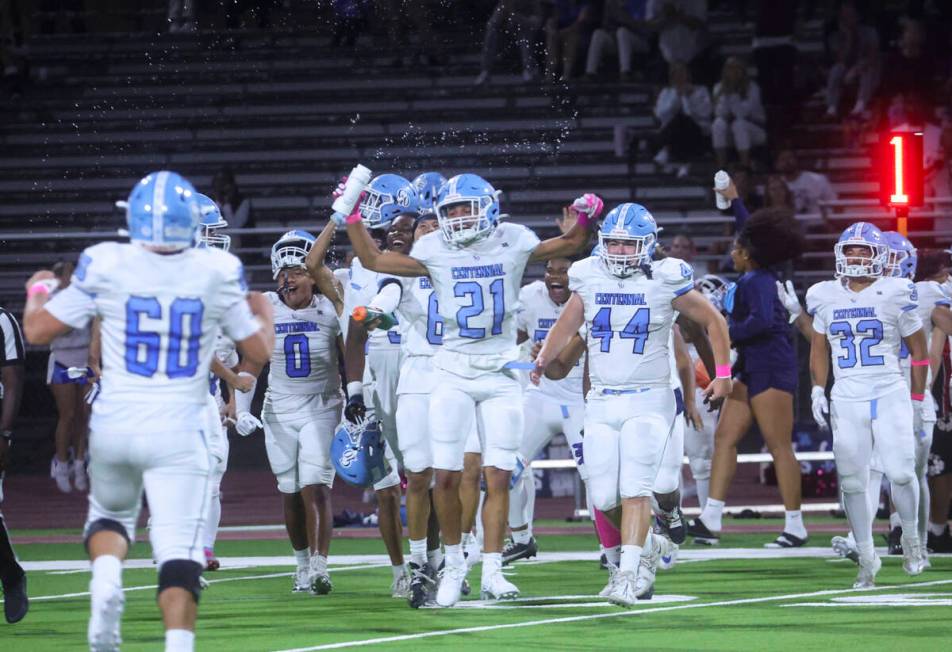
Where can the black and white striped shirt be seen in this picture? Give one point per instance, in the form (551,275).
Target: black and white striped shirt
(11,340)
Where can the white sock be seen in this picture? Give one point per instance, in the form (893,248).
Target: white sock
(613,555)
(435,558)
(492,563)
(318,563)
(906,499)
(874,490)
(212,519)
(851,539)
(894,520)
(302,557)
(703,487)
(521,536)
(418,551)
(793,523)
(630,556)
(468,539)
(179,640)
(398,571)
(107,569)
(857,513)
(936,529)
(711,515)
(454,555)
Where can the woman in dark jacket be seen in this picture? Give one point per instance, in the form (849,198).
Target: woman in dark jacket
(765,374)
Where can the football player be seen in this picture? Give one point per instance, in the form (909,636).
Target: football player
(475,264)
(867,315)
(162,303)
(301,409)
(622,294)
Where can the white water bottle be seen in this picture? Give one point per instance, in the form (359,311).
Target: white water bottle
(357,180)
(721,181)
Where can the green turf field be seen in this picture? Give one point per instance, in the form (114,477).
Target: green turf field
(725,598)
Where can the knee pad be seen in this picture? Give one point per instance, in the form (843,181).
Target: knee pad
(853,483)
(700,468)
(287,481)
(902,477)
(181,574)
(105,525)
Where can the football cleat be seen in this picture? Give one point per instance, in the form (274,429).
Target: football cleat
(866,577)
(648,567)
(623,589)
(845,549)
(107,605)
(59,471)
(672,524)
(302,582)
(940,542)
(451,584)
(513,551)
(497,587)
(668,555)
(77,470)
(320,583)
(211,561)
(702,535)
(786,540)
(203,583)
(894,541)
(15,601)
(422,584)
(924,556)
(471,551)
(911,555)
(400,587)
(612,576)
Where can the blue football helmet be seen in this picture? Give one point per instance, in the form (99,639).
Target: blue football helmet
(162,212)
(387,197)
(866,235)
(290,250)
(902,256)
(211,222)
(357,453)
(714,288)
(428,187)
(632,223)
(483,201)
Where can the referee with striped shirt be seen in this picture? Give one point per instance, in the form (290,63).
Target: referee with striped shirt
(12,360)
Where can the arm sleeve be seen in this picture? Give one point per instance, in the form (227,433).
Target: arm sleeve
(760,297)
(11,341)
(388,298)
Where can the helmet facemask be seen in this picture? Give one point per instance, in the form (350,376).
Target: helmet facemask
(462,230)
(623,265)
(873,263)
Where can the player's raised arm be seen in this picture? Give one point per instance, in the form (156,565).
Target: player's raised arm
(387,262)
(39,325)
(584,211)
(698,309)
(566,326)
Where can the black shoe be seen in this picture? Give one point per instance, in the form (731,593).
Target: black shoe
(941,542)
(672,524)
(15,601)
(422,584)
(513,551)
(786,540)
(701,534)
(894,541)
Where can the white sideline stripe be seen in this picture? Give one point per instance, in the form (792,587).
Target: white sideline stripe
(745,458)
(219,581)
(618,614)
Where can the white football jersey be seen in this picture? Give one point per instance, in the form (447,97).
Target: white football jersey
(305,358)
(161,315)
(537,314)
(865,330)
(629,321)
(477,288)
(930,295)
(227,355)
(421,326)
(360,286)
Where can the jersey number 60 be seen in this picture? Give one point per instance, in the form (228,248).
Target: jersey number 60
(144,347)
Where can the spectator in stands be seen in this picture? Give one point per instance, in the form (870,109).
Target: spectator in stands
(565,26)
(682,246)
(777,194)
(235,207)
(683,111)
(68,467)
(512,20)
(181,16)
(350,17)
(855,50)
(808,188)
(12,361)
(739,113)
(680,27)
(909,79)
(623,30)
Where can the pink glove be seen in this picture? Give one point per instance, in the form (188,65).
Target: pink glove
(588,207)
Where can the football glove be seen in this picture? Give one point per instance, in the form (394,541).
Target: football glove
(788,297)
(821,406)
(923,416)
(355,410)
(247,424)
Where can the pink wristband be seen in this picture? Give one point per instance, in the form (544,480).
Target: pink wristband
(37,288)
(583,220)
(722,371)
(920,363)
(353,218)
(918,397)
